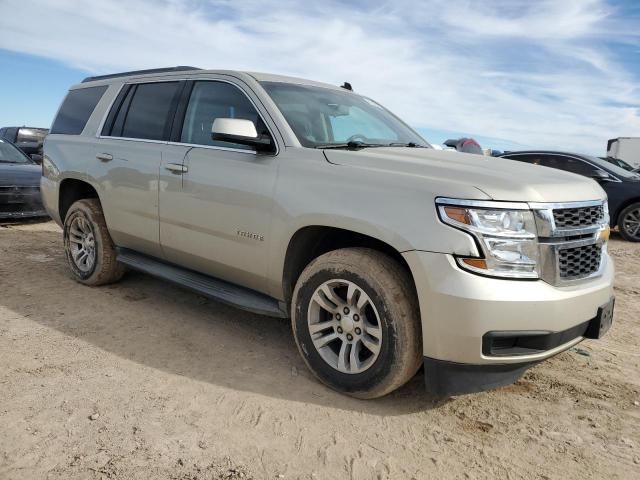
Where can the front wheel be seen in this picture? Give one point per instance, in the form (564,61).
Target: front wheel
(629,223)
(356,322)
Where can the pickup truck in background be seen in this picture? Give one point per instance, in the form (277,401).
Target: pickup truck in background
(294,198)
(625,148)
(27,139)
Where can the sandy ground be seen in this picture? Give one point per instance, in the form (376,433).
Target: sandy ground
(144,380)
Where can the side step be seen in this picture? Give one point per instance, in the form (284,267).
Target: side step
(213,288)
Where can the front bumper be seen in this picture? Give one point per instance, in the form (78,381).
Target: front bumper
(23,214)
(459,309)
(17,202)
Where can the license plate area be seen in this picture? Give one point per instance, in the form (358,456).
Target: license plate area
(600,325)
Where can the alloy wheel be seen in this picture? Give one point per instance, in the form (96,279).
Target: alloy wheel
(344,325)
(82,244)
(631,223)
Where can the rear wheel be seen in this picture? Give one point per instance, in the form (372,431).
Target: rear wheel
(90,252)
(356,322)
(629,223)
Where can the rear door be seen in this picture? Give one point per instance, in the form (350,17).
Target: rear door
(127,162)
(218,221)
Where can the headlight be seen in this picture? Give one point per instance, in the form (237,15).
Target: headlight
(506,234)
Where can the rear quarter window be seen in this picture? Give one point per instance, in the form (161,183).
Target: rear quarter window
(76,109)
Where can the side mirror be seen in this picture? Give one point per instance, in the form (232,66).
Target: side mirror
(600,176)
(243,132)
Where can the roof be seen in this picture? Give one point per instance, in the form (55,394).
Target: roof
(270,77)
(258,76)
(180,68)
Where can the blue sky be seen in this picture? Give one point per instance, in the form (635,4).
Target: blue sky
(511,73)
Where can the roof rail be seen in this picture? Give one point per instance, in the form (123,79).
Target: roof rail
(180,68)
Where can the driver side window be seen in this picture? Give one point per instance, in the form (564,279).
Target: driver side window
(210,100)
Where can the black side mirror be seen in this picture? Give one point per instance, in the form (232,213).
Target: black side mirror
(600,176)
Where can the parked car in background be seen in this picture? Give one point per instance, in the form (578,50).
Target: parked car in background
(622,186)
(620,163)
(625,148)
(465,145)
(27,139)
(19,184)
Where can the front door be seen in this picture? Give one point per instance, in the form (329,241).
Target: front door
(218,221)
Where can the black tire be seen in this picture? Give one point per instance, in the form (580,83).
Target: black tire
(391,290)
(626,222)
(105,268)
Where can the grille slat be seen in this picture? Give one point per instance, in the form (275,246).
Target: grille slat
(578,217)
(579,262)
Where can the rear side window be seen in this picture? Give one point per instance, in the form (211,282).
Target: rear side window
(76,110)
(559,162)
(573,165)
(524,158)
(9,133)
(145,111)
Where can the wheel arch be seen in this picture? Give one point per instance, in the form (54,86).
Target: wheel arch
(615,218)
(71,190)
(311,241)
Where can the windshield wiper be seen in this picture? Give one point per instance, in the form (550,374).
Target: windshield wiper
(409,144)
(350,145)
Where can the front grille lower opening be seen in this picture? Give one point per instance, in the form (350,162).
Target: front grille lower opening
(579,262)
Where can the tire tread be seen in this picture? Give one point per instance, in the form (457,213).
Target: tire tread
(108,269)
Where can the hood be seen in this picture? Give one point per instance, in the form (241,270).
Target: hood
(20,174)
(499,178)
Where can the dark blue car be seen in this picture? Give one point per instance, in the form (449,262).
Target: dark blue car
(622,186)
(19,184)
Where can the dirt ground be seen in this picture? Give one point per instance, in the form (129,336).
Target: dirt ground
(145,380)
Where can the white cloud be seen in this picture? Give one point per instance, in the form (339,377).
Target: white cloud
(538,73)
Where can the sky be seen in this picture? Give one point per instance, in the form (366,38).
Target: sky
(514,74)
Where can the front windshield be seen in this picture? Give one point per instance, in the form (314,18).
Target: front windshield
(611,168)
(322,117)
(11,154)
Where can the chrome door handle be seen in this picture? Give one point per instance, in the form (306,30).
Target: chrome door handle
(104,157)
(176,168)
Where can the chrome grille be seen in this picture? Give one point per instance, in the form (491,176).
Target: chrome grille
(569,235)
(579,262)
(578,217)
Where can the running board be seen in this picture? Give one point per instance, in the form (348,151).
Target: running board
(210,287)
